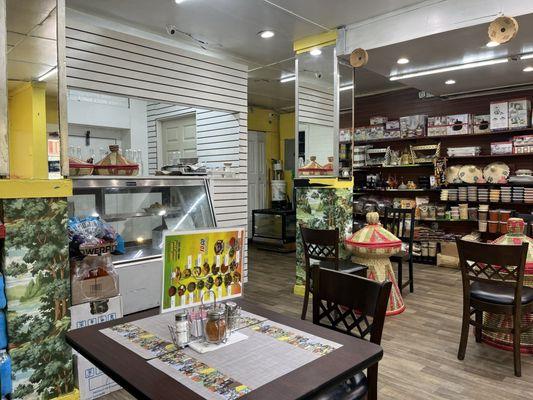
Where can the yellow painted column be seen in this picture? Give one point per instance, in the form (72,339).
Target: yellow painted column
(28,148)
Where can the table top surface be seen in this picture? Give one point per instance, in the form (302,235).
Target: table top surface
(144,381)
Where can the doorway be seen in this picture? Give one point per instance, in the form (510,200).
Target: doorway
(178,134)
(257,175)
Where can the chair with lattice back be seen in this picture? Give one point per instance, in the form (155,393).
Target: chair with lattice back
(493,279)
(355,306)
(320,245)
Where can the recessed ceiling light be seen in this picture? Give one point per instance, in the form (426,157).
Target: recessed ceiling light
(266,34)
(178,1)
(402,60)
(450,82)
(526,56)
(448,69)
(315,52)
(528,69)
(492,44)
(288,78)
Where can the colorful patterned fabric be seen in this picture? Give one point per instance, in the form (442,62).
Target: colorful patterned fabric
(144,339)
(293,338)
(199,372)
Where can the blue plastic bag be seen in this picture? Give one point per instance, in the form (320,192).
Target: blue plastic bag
(5,374)
(3,330)
(3,300)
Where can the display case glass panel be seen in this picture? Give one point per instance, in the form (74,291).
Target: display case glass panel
(141,209)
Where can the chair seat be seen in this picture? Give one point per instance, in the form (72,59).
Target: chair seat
(498,294)
(353,389)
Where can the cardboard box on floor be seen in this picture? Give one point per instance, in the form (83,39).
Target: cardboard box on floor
(102,287)
(92,383)
(448,255)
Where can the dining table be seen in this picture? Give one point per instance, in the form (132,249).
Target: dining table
(282,358)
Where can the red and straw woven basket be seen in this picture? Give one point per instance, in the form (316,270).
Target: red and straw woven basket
(116,164)
(78,167)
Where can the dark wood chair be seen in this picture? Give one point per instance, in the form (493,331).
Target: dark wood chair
(401,222)
(356,306)
(493,278)
(322,246)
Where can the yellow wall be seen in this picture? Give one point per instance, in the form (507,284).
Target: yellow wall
(265,120)
(286,131)
(51,109)
(28,146)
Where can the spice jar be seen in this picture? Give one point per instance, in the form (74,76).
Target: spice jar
(181,329)
(215,326)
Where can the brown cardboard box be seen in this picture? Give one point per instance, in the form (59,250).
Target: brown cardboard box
(94,289)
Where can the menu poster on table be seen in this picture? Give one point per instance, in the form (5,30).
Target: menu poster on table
(196,262)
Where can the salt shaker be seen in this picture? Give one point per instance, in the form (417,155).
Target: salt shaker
(181,329)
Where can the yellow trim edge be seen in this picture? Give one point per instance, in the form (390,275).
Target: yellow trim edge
(75,395)
(333,183)
(34,188)
(310,42)
(299,290)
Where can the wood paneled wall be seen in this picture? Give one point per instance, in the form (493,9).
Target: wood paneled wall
(406,102)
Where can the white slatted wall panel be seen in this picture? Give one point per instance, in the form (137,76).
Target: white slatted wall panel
(108,61)
(315,105)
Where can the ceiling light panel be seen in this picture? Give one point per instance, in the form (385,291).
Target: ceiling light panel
(315,52)
(403,60)
(266,34)
(448,69)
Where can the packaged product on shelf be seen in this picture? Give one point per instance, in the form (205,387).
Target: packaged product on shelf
(375,132)
(519,113)
(94,278)
(360,134)
(499,116)
(501,148)
(459,124)
(413,125)
(359,155)
(523,144)
(392,129)
(437,125)
(378,120)
(345,135)
(481,124)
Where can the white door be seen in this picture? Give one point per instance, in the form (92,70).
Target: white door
(178,134)
(257,175)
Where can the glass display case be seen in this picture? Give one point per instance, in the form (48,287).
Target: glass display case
(140,209)
(274,229)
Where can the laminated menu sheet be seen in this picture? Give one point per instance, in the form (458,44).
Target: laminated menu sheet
(150,337)
(271,351)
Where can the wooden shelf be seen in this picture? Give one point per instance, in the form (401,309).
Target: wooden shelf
(491,184)
(366,167)
(363,191)
(491,156)
(476,135)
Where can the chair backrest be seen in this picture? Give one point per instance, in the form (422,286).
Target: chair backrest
(321,245)
(349,303)
(401,222)
(491,263)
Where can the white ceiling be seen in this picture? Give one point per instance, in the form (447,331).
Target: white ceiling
(457,47)
(231,26)
(31,41)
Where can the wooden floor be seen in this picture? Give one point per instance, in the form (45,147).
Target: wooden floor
(420,345)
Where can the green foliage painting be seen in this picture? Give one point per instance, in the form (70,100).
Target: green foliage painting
(38,291)
(322,208)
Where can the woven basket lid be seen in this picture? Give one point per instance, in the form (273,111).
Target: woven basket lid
(515,237)
(373,235)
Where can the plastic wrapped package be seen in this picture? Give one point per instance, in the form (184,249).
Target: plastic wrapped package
(93,236)
(94,278)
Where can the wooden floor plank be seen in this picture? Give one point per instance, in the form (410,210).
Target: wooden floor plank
(420,345)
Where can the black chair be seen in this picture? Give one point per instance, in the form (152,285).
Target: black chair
(493,279)
(401,222)
(322,245)
(355,306)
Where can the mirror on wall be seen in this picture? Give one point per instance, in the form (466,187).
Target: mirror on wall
(31,47)
(153,134)
(317,120)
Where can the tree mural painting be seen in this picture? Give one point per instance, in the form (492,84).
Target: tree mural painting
(38,291)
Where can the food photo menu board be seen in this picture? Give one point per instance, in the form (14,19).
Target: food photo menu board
(198,261)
